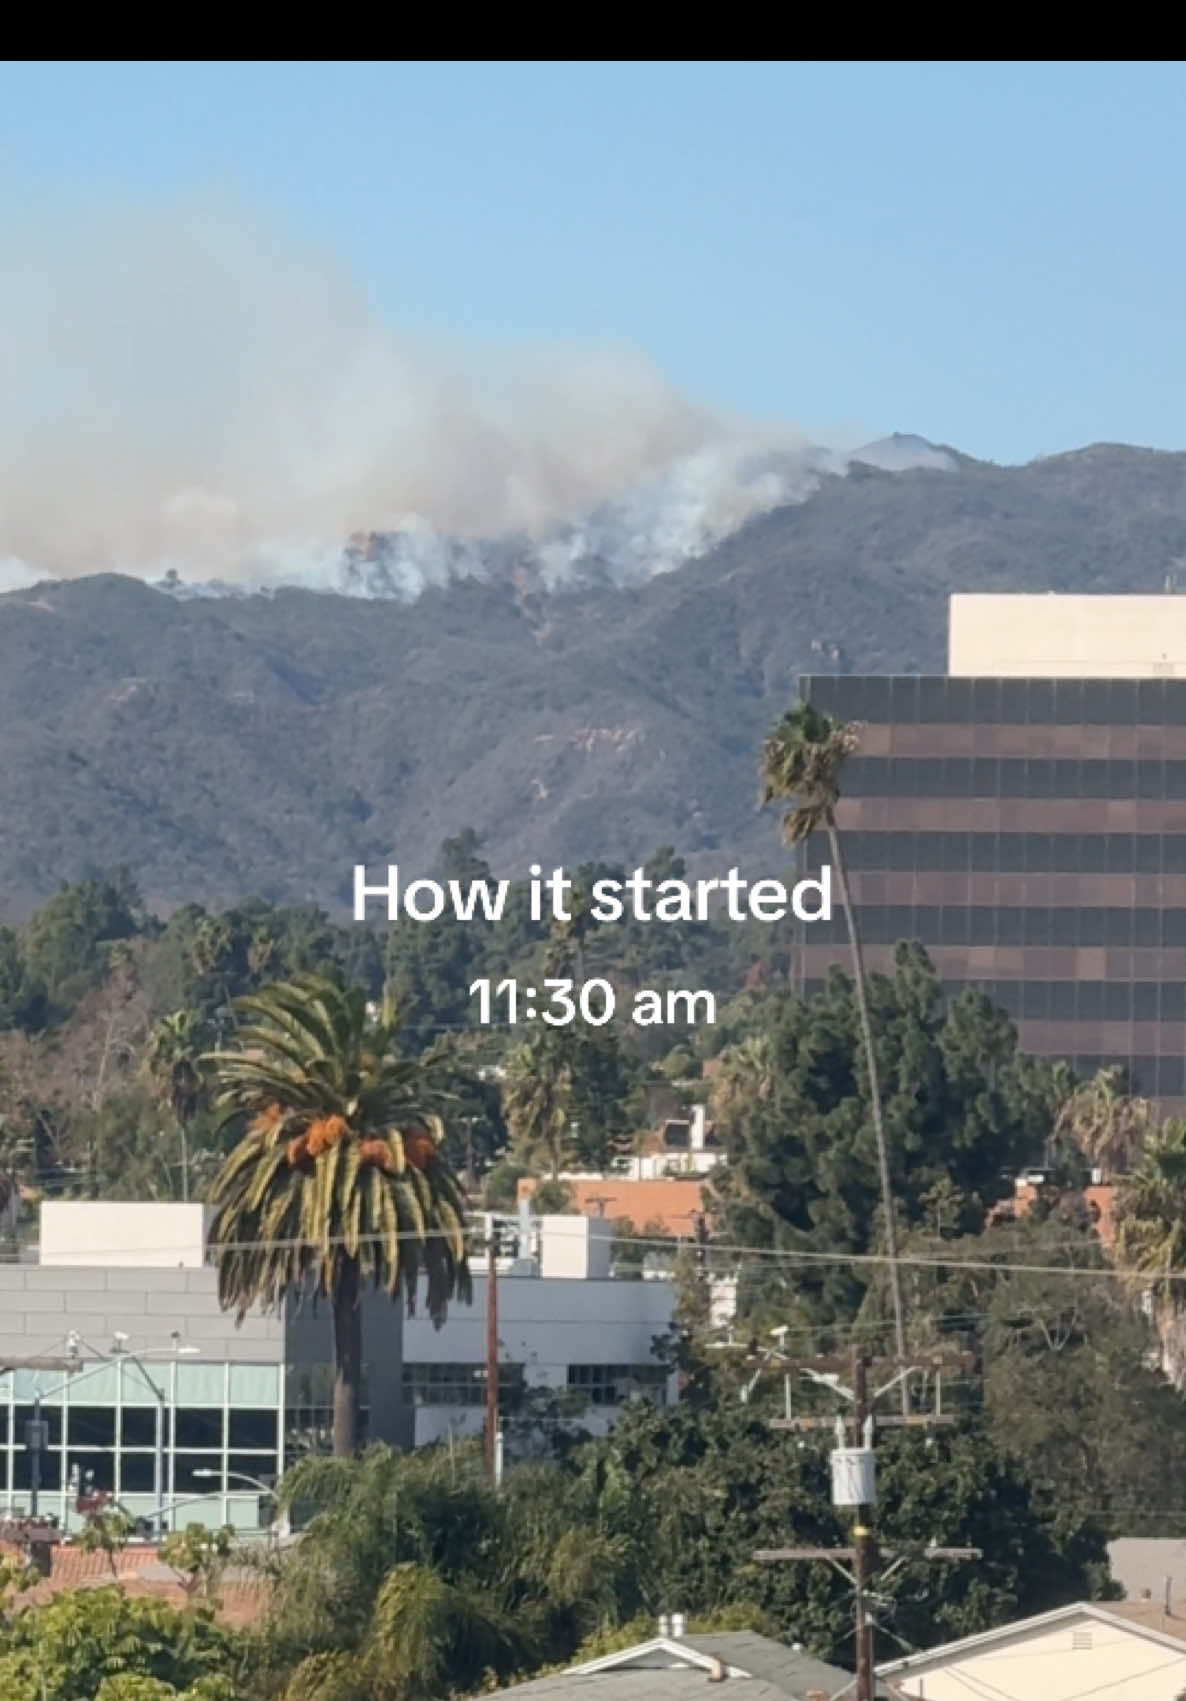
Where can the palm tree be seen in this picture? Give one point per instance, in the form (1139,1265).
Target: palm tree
(339,1178)
(1108,1125)
(173,1060)
(747,1071)
(1151,1234)
(537,1093)
(802,760)
(569,936)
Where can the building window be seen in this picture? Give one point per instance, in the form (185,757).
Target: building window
(309,1408)
(614,1384)
(459,1384)
(252,1431)
(101,1429)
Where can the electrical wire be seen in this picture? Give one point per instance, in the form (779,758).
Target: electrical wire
(767,1255)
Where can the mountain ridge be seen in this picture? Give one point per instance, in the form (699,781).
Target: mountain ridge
(222,747)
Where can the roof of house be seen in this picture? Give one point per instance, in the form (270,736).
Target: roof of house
(241,1597)
(671,1201)
(1145,1563)
(1145,1617)
(671,1668)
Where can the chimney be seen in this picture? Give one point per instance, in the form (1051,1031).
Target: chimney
(716,1671)
(679,1624)
(664,1625)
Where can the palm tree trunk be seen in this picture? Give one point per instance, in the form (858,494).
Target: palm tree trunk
(347,1349)
(887,1198)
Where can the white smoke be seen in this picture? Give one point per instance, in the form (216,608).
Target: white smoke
(185,391)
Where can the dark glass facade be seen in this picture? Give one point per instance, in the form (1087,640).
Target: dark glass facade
(1031,833)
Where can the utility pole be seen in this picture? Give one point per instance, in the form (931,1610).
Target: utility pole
(863,1554)
(853,1487)
(492,1437)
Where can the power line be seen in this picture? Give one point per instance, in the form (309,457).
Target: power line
(1002,1266)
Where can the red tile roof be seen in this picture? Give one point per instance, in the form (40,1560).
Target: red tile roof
(241,1597)
(671,1203)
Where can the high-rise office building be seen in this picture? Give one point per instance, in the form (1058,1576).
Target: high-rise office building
(1024,818)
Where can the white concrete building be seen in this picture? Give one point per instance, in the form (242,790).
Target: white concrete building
(1040,635)
(150,1392)
(685,1145)
(564,1323)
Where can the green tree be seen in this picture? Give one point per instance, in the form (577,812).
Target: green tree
(200,1555)
(108,1533)
(711,1484)
(338,1179)
(1151,1235)
(1108,1125)
(18,1159)
(68,942)
(801,766)
(537,1099)
(173,1061)
(962,1108)
(22,1001)
(99,1645)
(747,1071)
(416,1578)
(602,1080)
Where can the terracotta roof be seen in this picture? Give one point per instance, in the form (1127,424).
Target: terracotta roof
(242,1594)
(673,1202)
(1101,1202)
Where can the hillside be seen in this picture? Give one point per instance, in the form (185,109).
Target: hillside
(227,746)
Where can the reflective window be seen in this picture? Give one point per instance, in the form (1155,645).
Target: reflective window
(613,1384)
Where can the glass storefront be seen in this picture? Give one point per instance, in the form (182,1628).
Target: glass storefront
(216,1427)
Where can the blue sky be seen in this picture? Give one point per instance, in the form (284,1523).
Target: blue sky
(991,255)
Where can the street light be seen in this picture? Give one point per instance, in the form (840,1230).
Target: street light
(205,1471)
(36,1439)
(269,1492)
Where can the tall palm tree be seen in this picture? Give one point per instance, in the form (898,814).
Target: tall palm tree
(569,936)
(802,761)
(339,1178)
(174,1062)
(537,1095)
(1151,1235)
(1108,1125)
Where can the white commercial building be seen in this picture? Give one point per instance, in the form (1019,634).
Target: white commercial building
(1036,635)
(122,1375)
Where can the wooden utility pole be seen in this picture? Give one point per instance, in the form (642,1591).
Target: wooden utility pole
(863,1558)
(492,1353)
(863,1555)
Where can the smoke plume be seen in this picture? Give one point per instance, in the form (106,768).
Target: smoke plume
(186,389)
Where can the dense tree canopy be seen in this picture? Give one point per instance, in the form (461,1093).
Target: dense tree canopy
(99,1645)
(962,1108)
